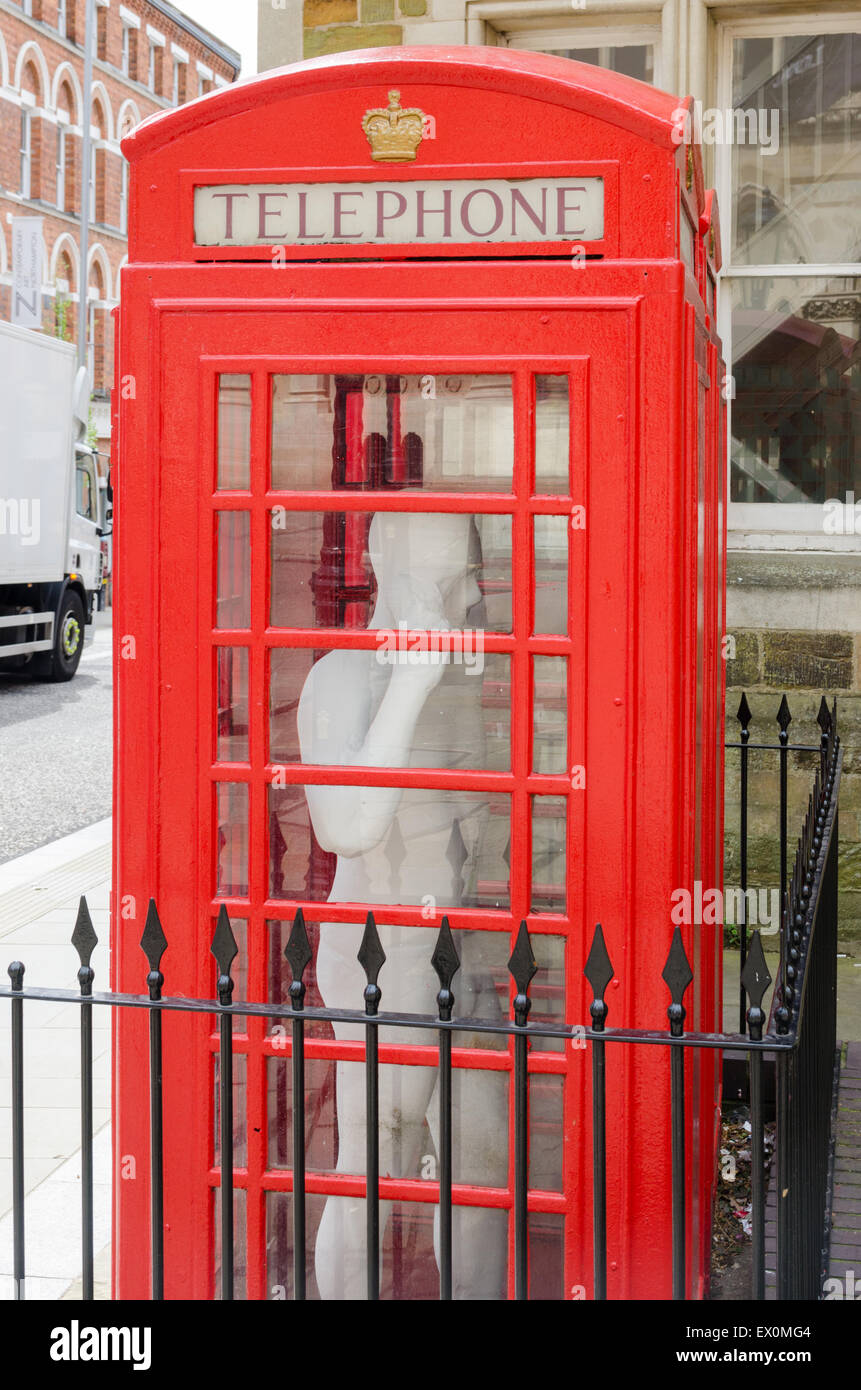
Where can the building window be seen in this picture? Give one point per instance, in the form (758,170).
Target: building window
(130,52)
(179,80)
(791,312)
(124,198)
(61,17)
(102,33)
(62,136)
(26,169)
(155,70)
(637,54)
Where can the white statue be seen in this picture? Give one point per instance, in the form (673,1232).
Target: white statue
(409,846)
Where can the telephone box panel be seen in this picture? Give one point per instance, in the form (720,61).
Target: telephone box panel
(419,570)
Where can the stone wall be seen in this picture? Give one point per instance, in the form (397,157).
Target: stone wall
(772,603)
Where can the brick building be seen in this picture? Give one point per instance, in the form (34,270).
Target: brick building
(789,315)
(149,57)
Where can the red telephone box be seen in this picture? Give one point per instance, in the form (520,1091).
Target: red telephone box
(418,341)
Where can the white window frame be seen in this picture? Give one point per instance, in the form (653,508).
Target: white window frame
(607,35)
(126,60)
(770,525)
(62,17)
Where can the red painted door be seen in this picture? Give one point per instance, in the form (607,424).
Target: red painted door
(313,464)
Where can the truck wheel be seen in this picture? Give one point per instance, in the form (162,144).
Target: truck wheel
(62,663)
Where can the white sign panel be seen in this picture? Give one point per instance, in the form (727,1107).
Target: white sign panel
(27,257)
(430,211)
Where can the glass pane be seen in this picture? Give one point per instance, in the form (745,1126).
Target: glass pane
(548,853)
(233,608)
(550,738)
(240,1242)
(232,854)
(234,432)
(240,1142)
(359,570)
(463,721)
(232,705)
(551,574)
(796,153)
(546,1256)
(441,849)
(547,990)
(551,435)
(546,1131)
(439,433)
(335,1116)
(408,1266)
(633,59)
(797,408)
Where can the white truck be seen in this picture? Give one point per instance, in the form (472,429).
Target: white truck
(51,511)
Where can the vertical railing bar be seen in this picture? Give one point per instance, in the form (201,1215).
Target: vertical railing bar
(372,1158)
(745,755)
(784,718)
(225,1079)
(521,1166)
(446,963)
(599,1168)
(16,974)
(86,975)
(445,1170)
(522,966)
(299,1226)
(156,1148)
(154,944)
(782,1175)
(372,958)
(678,1165)
(757,1163)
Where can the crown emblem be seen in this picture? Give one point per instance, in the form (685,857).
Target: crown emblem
(394,134)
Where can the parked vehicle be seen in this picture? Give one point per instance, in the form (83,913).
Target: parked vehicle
(52,516)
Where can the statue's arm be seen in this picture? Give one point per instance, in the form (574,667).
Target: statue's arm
(335,727)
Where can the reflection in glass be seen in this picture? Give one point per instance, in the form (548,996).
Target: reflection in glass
(546,1132)
(548,853)
(797,406)
(234,432)
(551,574)
(408,1269)
(240,1140)
(546,1256)
(550,738)
(325,567)
(240,1242)
(633,59)
(441,433)
(551,435)
(795,149)
(231,878)
(232,705)
(451,845)
(233,593)
(485,742)
(547,990)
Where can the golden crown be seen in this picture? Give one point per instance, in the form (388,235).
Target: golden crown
(394,134)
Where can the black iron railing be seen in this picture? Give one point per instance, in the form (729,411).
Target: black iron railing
(801,1036)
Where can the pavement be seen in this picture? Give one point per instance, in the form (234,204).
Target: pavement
(39,896)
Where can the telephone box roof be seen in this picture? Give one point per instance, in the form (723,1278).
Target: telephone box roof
(612,97)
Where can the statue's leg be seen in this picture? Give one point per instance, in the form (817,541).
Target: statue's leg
(404,1095)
